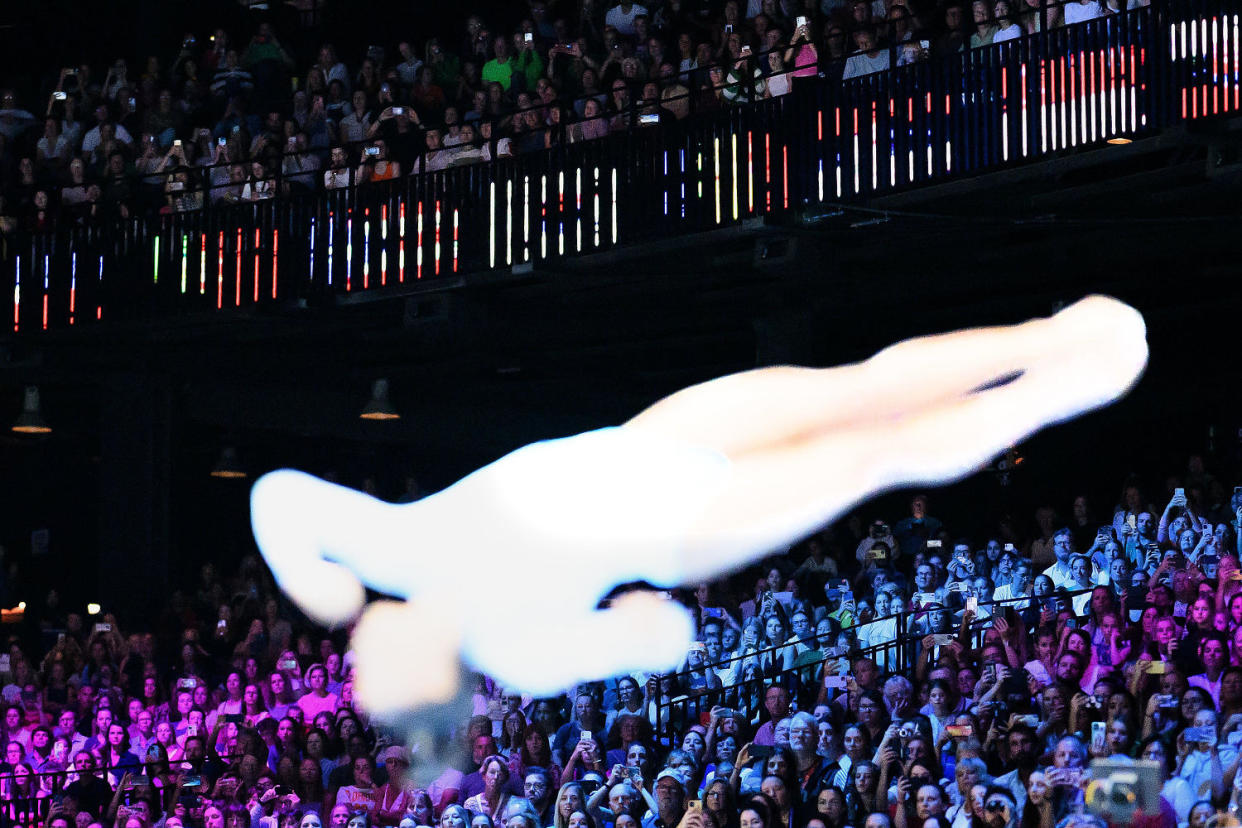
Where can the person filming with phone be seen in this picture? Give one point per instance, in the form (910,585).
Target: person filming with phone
(587,719)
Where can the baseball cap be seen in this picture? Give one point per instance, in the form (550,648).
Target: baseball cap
(395,753)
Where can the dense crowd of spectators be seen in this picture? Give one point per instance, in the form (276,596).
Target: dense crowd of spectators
(219,119)
(880,674)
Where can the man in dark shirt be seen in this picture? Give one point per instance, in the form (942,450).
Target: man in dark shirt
(670,797)
(91,792)
(538,789)
(196,758)
(401,130)
(343,774)
(914,531)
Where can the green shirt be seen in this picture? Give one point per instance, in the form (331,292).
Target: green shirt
(531,65)
(258,52)
(445,71)
(496,72)
(843,617)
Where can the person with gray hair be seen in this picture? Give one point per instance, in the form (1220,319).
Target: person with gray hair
(898,696)
(1069,759)
(968,772)
(1070,752)
(879,819)
(518,812)
(621,793)
(521,819)
(518,806)
(813,770)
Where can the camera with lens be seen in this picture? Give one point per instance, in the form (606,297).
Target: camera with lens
(1119,789)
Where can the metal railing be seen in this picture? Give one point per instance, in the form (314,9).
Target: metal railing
(213,183)
(33,807)
(896,656)
(826,142)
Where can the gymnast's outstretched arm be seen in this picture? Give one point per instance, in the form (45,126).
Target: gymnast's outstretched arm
(323,542)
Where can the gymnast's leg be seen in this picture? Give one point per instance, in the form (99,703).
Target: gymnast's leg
(776,406)
(930,412)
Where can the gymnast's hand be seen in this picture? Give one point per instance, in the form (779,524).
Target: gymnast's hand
(779,452)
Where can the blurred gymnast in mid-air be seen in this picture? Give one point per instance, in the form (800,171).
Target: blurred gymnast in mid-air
(709,479)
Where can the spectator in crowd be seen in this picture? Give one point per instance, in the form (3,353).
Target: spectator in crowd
(259,186)
(53,149)
(354,126)
(622,16)
(377,166)
(869,58)
(1007,28)
(336,177)
(300,166)
(230,79)
(501,67)
(745,82)
(13,119)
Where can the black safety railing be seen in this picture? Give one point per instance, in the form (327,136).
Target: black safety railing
(29,800)
(1109,79)
(686,704)
(207,167)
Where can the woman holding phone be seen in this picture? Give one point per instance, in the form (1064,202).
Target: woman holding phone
(588,755)
(233,705)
